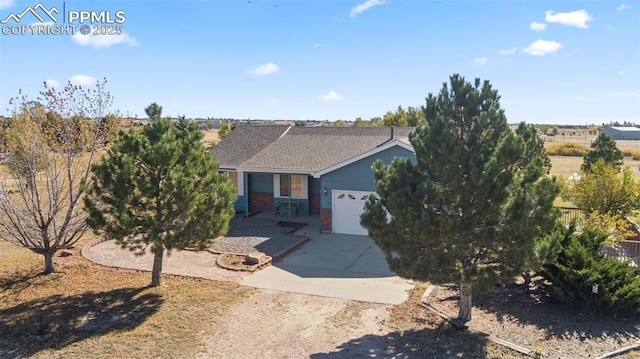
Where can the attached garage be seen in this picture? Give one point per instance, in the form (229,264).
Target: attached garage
(347,207)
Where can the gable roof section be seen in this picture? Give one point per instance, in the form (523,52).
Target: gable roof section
(302,149)
(244,142)
(402,142)
(311,149)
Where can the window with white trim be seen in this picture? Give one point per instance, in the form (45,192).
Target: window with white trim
(298,188)
(237,179)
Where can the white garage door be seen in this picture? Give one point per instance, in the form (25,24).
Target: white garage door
(347,207)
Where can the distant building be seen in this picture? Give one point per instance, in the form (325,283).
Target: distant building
(621,133)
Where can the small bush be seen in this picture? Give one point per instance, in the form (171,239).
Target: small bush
(584,277)
(633,154)
(566,149)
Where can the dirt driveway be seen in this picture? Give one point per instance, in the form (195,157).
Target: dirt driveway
(272,324)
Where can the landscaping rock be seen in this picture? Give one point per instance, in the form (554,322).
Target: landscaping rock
(254,258)
(65,253)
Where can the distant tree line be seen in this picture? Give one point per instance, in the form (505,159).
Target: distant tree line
(620,124)
(411,117)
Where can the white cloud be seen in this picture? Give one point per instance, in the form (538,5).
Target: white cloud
(359,9)
(480,61)
(5,4)
(621,94)
(82,80)
(619,8)
(507,52)
(578,18)
(621,73)
(264,70)
(538,26)
(103,40)
(542,47)
(52,83)
(331,96)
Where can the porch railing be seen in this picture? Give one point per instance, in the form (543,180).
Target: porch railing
(571,214)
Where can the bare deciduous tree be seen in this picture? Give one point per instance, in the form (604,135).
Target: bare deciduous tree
(51,144)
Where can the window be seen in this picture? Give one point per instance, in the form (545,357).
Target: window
(298,186)
(237,179)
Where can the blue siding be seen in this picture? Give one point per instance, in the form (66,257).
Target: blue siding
(241,203)
(358,176)
(261,182)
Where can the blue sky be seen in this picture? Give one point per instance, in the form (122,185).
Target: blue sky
(563,62)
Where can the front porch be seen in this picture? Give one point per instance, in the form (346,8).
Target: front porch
(266,192)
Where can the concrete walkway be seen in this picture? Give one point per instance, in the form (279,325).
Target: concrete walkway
(186,263)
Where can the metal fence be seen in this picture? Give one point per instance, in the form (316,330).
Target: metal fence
(626,249)
(572,214)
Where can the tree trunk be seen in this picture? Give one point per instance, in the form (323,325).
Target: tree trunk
(464,313)
(157,268)
(48,263)
(527,280)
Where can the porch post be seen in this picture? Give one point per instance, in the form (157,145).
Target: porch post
(289,197)
(245,190)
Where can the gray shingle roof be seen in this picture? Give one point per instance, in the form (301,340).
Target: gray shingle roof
(244,142)
(304,149)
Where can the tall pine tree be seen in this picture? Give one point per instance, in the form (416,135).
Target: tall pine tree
(473,207)
(603,148)
(161,190)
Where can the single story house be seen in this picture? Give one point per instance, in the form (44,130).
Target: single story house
(622,133)
(325,170)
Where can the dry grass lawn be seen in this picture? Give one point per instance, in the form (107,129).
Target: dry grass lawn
(210,137)
(580,139)
(567,165)
(86,309)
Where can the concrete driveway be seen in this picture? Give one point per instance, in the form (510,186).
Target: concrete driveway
(337,266)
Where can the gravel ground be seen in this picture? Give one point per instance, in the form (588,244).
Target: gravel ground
(529,319)
(248,235)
